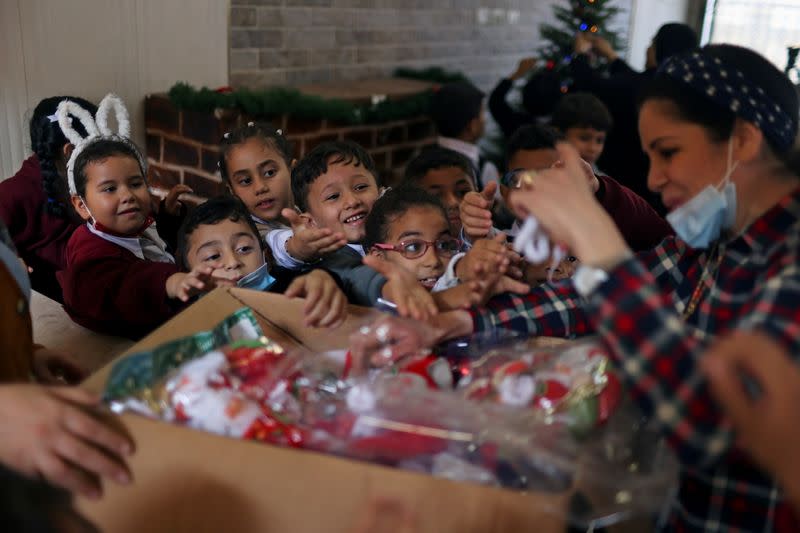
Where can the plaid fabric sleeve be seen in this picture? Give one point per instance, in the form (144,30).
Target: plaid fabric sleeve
(551,310)
(657,352)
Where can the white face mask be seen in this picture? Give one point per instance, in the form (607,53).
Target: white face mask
(701,220)
(534,244)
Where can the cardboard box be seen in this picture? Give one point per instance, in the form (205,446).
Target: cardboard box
(187,480)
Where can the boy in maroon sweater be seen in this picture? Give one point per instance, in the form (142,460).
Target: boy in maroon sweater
(534,148)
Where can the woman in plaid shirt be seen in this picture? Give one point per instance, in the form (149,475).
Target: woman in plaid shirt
(719,126)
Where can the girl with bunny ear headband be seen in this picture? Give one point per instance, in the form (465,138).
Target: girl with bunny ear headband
(119,248)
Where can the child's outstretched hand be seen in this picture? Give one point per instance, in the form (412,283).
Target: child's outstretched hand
(493,251)
(172,204)
(404,290)
(309,243)
(326,304)
(183,285)
(476,212)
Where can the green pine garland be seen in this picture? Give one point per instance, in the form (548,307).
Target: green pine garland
(274,101)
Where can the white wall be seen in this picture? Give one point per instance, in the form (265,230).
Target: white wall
(646,17)
(90,47)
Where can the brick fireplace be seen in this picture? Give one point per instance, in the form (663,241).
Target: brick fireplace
(183,146)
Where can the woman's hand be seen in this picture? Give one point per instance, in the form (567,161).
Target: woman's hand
(562,200)
(767,422)
(49,432)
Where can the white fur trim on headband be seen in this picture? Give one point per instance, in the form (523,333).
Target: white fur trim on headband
(97,131)
(67,108)
(123,120)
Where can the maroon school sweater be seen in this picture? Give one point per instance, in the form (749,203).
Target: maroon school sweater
(40,238)
(639,224)
(109,290)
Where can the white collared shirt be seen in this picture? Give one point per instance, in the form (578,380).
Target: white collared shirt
(148,246)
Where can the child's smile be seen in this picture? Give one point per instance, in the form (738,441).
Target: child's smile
(415,229)
(341,198)
(116,195)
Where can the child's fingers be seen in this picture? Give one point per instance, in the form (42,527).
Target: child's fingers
(296,288)
(508,284)
(475,211)
(332,248)
(293,218)
(314,291)
(489,191)
(336,310)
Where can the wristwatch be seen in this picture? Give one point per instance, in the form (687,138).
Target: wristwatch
(587,278)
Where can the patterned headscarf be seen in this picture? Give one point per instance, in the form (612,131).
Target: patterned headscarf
(729,88)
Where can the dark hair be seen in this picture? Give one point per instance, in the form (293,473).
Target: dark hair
(393,204)
(47,142)
(672,39)
(454,106)
(434,158)
(697,108)
(100,151)
(581,110)
(532,137)
(30,505)
(211,212)
(541,93)
(316,162)
(275,139)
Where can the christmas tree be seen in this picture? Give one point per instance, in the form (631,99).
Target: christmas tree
(591,16)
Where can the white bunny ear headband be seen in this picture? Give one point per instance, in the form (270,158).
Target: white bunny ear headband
(97,129)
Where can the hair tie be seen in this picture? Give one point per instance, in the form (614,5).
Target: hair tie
(251,124)
(279,131)
(226,135)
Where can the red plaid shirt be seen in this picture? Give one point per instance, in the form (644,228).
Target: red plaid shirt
(638,313)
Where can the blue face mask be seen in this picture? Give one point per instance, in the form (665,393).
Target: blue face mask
(701,220)
(257,280)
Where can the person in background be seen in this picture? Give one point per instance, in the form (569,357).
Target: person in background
(584,122)
(540,94)
(34,203)
(457,110)
(720,126)
(623,157)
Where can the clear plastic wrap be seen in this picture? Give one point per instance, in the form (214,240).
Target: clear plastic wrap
(497,409)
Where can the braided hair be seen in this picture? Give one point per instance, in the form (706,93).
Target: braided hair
(47,142)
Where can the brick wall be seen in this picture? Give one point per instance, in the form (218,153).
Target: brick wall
(182,146)
(295,42)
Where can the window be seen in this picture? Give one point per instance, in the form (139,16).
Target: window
(768,26)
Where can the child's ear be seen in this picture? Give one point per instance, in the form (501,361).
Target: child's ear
(80,207)
(377,253)
(67,150)
(292,164)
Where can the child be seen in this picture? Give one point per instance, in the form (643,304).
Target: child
(221,234)
(534,148)
(335,186)
(446,174)
(34,203)
(584,121)
(408,227)
(255,163)
(457,111)
(119,277)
